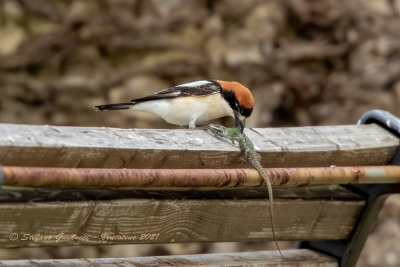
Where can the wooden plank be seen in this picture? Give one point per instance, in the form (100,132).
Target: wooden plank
(173,220)
(27,145)
(295,258)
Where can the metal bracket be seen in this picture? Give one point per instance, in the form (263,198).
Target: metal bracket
(348,251)
(386,120)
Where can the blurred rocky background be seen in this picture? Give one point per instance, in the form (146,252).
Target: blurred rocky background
(308,62)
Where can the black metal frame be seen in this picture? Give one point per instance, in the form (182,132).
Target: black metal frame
(348,251)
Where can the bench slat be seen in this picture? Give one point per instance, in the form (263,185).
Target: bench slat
(298,258)
(91,147)
(124,221)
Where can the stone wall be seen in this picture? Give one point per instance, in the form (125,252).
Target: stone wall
(307,62)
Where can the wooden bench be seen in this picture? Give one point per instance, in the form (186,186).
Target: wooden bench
(332,220)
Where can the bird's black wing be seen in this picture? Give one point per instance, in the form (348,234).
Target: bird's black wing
(198,88)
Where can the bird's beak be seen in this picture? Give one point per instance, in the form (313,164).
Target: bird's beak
(243,123)
(239,123)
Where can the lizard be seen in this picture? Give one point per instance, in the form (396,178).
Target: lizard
(249,154)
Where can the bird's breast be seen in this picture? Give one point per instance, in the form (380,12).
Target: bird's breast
(183,110)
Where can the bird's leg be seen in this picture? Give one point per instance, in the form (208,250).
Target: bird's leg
(192,124)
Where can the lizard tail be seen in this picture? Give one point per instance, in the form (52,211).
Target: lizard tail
(271,201)
(272,218)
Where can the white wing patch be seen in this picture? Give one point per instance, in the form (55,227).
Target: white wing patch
(194,84)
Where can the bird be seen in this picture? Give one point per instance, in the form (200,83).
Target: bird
(194,103)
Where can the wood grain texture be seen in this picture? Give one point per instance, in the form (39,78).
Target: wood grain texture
(28,145)
(297,258)
(178,220)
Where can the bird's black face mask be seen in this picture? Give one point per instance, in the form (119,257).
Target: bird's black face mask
(240,113)
(243,113)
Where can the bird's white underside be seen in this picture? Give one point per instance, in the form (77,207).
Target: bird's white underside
(187,110)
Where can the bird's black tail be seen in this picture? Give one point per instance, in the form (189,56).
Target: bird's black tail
(115,106)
